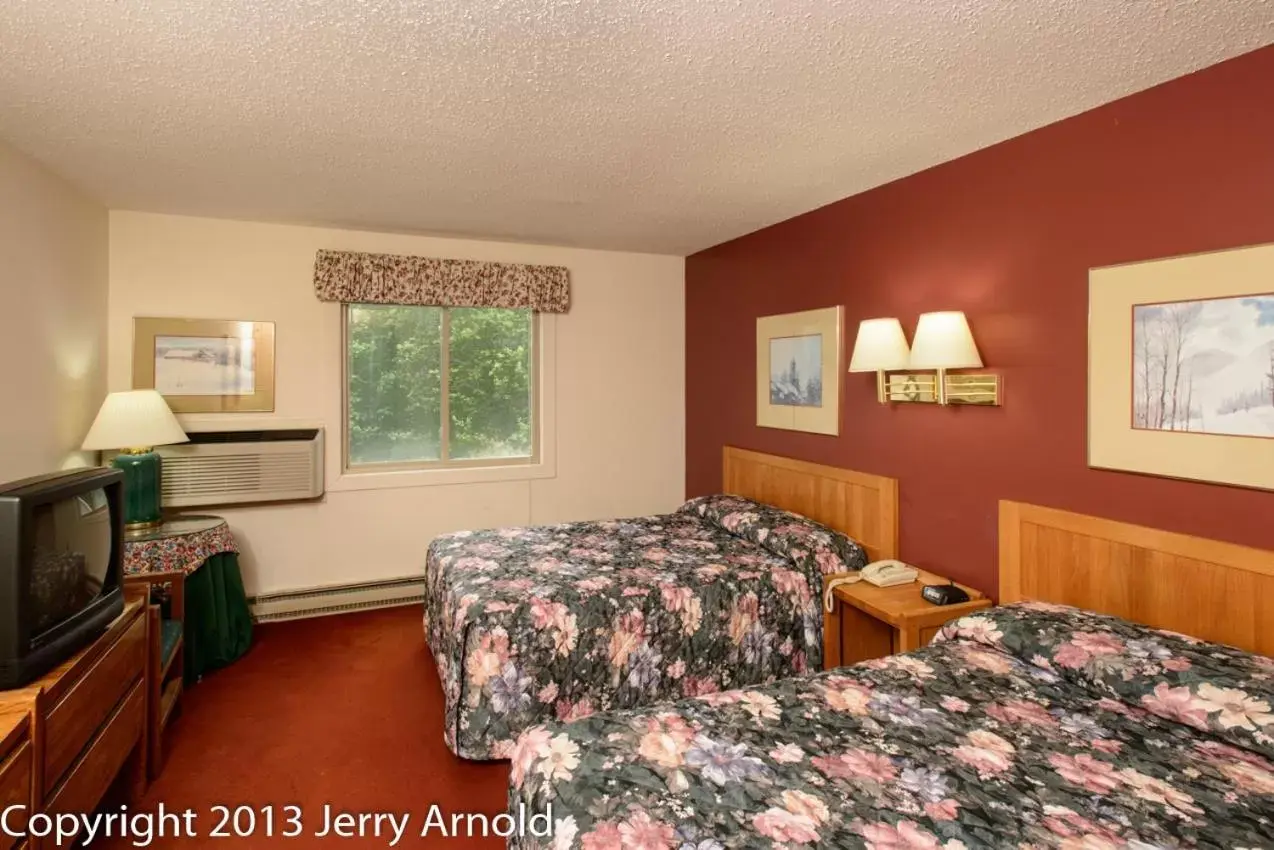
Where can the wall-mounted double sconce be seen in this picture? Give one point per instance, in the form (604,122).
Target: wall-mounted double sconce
(943,341)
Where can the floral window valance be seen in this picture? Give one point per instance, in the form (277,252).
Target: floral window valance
(357,278)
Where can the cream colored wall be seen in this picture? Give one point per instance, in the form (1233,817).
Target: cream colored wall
(53,243)
(619,400)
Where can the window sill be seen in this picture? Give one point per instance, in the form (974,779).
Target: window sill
(352,481)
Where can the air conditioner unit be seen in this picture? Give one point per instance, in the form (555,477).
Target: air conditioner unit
(235,467)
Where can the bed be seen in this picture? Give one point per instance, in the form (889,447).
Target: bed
(1078,715)
(555,622)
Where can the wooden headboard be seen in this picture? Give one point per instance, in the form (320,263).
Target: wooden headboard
(863,506)
(1213,590)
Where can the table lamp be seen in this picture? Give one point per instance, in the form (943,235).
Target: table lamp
(135,422)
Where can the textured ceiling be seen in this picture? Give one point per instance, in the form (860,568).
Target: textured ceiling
(653,125)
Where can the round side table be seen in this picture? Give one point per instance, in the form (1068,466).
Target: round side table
(218,626)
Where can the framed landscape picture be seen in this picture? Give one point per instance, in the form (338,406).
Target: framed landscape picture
(1181,367)
(797,371)
(206,365)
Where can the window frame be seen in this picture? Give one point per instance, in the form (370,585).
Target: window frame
(351,471)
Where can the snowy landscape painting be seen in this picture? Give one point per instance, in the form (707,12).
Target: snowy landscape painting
(796,371)
(1205,366)
(797,386)
(199,365)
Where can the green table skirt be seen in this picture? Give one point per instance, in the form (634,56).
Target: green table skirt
(218,624)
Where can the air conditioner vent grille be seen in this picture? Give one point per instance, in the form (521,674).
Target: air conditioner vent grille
(226,471)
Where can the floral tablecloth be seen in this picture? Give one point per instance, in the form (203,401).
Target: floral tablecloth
(186,552)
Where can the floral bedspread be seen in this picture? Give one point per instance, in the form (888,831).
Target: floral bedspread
(1025,726)
(556,622)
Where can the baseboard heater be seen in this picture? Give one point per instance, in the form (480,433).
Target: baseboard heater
(336,599)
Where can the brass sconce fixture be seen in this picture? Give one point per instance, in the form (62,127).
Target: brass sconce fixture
(943,341)
(880,347)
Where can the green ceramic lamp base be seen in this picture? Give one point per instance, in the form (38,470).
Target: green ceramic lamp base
(142,469)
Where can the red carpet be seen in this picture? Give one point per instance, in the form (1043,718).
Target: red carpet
(343,711)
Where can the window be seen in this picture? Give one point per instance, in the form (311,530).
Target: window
(439,387)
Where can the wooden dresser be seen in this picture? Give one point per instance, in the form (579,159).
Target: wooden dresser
(81,724)
(17,786)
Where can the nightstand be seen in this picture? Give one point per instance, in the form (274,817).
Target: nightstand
(218,622)
(872,622)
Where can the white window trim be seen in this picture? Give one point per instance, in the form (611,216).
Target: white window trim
(543,466)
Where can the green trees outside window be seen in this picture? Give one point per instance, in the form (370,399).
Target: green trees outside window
(439,385)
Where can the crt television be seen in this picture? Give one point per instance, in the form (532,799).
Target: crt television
(61,568)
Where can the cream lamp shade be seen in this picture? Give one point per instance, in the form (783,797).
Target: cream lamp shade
(943,341)
(880,346)
(134,419)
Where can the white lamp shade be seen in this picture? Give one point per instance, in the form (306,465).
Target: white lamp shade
(134,420)
(943,341)
(879,346)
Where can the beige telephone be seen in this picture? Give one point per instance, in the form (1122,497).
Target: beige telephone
(880,573)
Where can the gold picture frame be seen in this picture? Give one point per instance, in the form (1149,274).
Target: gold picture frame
(206,365)
(798,371)
(1181,367)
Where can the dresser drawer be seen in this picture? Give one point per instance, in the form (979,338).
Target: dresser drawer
(88,780)
(74,720)
(15,789)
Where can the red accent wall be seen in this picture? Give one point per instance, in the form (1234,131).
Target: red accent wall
(1008,235)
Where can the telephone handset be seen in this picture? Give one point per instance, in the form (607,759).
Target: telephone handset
(880,573)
